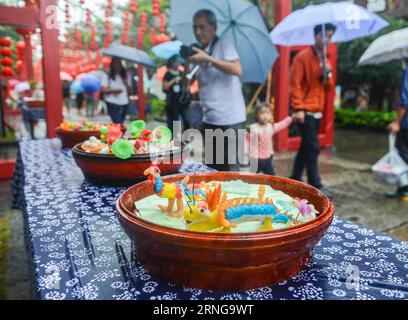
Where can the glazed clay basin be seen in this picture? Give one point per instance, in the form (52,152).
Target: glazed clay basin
(107,169)
(225,261)
(70,138)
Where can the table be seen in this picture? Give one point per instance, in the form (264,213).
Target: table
(79,250)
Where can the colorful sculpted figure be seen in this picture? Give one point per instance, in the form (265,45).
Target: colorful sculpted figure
(114,133)
(221,214)
(143,140)
(172,191)
(304,208)
(201,214)
(84,125)
(94,145)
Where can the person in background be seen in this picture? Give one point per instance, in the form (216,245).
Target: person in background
(90,104)
(310,80)
(259,139)
(173,87)
(115,91)
(79,98)
(66,94)
(38,91)
(400,128)
(220,87)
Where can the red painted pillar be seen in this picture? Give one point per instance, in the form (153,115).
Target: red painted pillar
(140,87)
(327,127)
(29,56)
(140,92)
(281,77)
(51,65)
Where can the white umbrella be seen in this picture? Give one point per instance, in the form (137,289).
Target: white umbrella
(352,22)
(65,76)
(22,86)
(391,46)
(80,76)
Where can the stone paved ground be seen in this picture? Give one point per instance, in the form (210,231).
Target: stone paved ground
(345,170)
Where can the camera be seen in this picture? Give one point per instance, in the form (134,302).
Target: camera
(187,51)
(327,74)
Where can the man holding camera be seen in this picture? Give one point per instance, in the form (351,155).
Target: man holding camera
(220,87)
(310,80)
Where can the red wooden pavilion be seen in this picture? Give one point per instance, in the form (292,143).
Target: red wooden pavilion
(42,15)
(38,14)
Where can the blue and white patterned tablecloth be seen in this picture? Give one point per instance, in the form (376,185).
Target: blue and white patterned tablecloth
(79,250)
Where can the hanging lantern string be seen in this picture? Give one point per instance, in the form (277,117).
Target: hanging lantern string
(103,31)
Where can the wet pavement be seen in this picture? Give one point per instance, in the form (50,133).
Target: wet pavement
(345,171)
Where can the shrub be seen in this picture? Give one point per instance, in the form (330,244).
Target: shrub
(158,108)
(378,120)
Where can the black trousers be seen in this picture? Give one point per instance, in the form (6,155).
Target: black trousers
(265,166)
(401,144)
(230,159)
(117,112)
(308,153)
(173,113)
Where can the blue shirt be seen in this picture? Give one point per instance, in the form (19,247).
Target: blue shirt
(404,99)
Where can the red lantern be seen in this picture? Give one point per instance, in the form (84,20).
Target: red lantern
(152,35)
(106,61)
(7,72)
(143,17)
(20,55)
(162,27)
(20,45)
(6,52)
(162,38)
(5,42)
(140,38)
(6,61)
(133,6)
(20,66)
(124,39)
(156,7)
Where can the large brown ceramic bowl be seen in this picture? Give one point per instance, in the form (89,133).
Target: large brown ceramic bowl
(225,261)
(107,169)
(70,138)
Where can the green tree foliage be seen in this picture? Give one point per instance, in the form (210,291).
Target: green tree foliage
(382,79)
(9,32)
(378,120)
